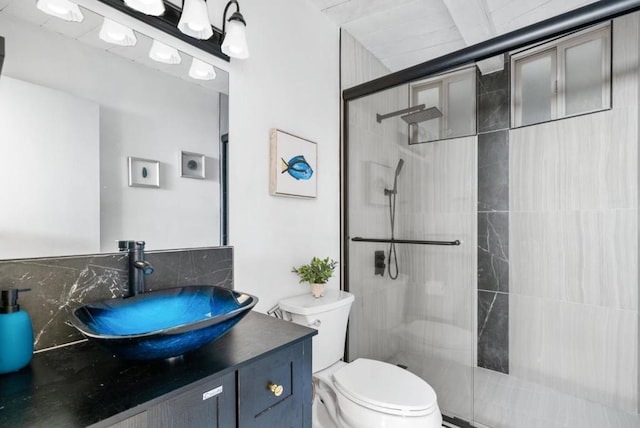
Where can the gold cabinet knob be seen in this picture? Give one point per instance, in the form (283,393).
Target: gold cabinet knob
(276,389)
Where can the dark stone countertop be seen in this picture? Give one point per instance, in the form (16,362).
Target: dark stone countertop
(84,384)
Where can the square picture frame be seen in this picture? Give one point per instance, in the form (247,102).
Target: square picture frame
(192,165)
(143,172)
(294,166)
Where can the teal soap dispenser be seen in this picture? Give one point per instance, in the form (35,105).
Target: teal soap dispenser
(16,332)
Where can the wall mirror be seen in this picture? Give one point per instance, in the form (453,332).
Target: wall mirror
(73,110)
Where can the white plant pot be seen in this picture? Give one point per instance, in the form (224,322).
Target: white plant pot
(317,290)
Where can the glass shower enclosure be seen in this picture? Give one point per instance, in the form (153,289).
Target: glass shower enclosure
(499,262)
(412,232)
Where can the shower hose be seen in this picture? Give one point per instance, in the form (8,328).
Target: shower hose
(392,245)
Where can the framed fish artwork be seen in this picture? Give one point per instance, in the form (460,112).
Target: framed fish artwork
(294,165)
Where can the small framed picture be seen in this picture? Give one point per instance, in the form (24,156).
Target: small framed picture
(294,165)
(192,165)
(143,172)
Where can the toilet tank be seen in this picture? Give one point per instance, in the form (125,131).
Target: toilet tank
(329,315)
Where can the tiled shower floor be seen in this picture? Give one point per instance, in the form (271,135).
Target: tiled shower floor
(504,401)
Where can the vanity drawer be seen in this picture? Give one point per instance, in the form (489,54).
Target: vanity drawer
(272,390)
(209,405)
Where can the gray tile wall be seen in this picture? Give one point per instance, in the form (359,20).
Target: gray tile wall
(493,220)
(59,285)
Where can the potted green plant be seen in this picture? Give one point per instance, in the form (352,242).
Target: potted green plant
(316,273)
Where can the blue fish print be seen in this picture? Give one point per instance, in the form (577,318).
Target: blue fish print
(297,167)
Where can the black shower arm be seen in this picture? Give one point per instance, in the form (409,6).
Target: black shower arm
(381,117)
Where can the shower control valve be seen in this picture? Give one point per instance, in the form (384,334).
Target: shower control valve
(379,265)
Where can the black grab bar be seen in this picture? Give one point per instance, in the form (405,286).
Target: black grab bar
(406,241)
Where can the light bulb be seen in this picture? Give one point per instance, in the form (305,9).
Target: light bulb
(194,20)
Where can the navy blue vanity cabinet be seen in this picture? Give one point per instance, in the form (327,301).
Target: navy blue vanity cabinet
(257,375)
(138,421)
(272,391)
(204,404)
(208,405)
(275,391)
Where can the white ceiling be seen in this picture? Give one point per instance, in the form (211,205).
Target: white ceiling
(402,33)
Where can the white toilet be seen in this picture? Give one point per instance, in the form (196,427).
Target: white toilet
(364,393)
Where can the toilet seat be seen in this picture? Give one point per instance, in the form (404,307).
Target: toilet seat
(385,388)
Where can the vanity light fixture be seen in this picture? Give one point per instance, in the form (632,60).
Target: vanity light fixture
(200,70)
(63,9)
(163,53)
(117,34)
(234,38)
(194,20)
(148,7)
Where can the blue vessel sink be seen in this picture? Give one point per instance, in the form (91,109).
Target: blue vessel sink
(163,323)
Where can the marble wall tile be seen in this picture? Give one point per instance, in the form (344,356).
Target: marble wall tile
(580,163)
(59,285)
(493,110)
(493,251)
(587,257)
(493,100)
(586,351)
(198,266)
(378,309)
(493,171)
(493,331)
(440,177)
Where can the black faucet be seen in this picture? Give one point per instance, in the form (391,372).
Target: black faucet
(138,266)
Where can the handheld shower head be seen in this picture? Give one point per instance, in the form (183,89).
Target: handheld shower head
(399,167)
(395,180)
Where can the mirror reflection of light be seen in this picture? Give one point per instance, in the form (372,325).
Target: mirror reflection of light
(200,70)
(117,34)
(63,9)
(57,9)
(164,53)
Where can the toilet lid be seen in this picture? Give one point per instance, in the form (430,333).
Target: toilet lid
(385,388)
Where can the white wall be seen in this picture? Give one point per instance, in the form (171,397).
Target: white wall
(48,160)
(290,82)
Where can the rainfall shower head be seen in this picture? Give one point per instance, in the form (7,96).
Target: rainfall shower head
(422,115)
(413,115)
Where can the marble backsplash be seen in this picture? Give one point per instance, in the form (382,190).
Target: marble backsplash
(59,285)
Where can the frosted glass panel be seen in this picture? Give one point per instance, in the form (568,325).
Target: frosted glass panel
(424,318)
(460,115)
(536,89)
(429,130)
(584,77)
(454,96)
